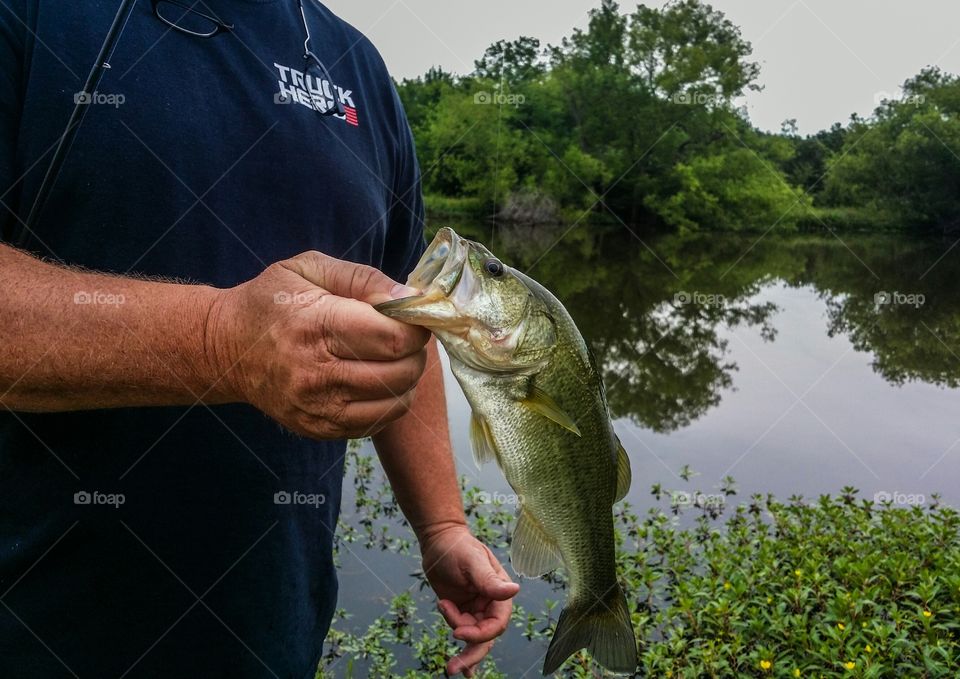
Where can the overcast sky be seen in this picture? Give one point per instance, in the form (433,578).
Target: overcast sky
(821,60)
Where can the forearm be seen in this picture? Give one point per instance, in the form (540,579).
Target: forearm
(416,454)
(74,340)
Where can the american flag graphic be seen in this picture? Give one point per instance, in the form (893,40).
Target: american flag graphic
(352,116)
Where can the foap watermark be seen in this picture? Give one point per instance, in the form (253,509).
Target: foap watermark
(697,98)
(296,498)
(880,98)
(99,99)
(96,498)
(680,498)
(897,298)
(684,298)
(484,98)
(298,298)
(898,499)
(485,498)
(99,298)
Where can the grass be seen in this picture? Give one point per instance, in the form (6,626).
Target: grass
(836,587)
(449,206)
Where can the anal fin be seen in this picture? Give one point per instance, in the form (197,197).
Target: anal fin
(624,475)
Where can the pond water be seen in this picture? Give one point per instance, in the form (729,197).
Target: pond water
(796,364)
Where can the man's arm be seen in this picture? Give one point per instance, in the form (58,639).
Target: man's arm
(474,591)
(74,340)
(417,456)
(296,342)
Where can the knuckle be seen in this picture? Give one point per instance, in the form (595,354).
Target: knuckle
(306,425)
(276,268)
(398,340)
(301,384)
(314,257)
(333,427)
(335,376)
(342,330)
(336,410)
(420,365)
(362,276)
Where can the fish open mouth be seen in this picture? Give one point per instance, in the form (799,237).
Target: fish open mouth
(446,253)
(436,275)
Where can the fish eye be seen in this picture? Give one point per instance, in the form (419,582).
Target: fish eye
(493,267)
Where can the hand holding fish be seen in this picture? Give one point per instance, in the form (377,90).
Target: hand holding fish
(302,343)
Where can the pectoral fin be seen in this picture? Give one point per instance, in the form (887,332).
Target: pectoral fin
(541,402)
(624,475)
(481,438)
(533,553)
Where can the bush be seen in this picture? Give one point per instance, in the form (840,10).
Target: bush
(733,191)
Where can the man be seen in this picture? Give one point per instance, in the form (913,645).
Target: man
(171,306)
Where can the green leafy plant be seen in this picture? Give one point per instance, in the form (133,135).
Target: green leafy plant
(835,587)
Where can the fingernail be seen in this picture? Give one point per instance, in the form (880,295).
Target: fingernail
(399,290)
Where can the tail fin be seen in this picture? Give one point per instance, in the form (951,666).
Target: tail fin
(603,628)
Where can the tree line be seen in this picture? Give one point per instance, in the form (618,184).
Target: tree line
(634,119)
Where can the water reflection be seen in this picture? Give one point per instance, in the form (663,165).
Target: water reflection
(654,311)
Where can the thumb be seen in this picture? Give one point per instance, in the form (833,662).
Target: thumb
(347,279)
(491,582)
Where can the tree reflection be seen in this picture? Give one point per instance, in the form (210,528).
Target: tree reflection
(654,310)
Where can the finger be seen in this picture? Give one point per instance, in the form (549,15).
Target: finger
(489,626)
(470,656)
(347,279)
(454,617)
(488,576)
(366,418)
(373,380)
(355,331)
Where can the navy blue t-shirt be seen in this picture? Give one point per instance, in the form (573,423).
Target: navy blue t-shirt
(189,166)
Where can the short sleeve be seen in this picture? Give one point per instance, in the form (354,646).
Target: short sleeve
(13,30)
(405,238)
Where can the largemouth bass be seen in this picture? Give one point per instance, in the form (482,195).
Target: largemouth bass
(538,410)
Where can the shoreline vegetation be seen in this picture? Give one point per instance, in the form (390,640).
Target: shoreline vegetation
(637,119)
(720,586)
(823,219)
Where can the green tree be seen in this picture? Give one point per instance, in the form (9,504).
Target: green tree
(626,116)
(514,61)
(904,161)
